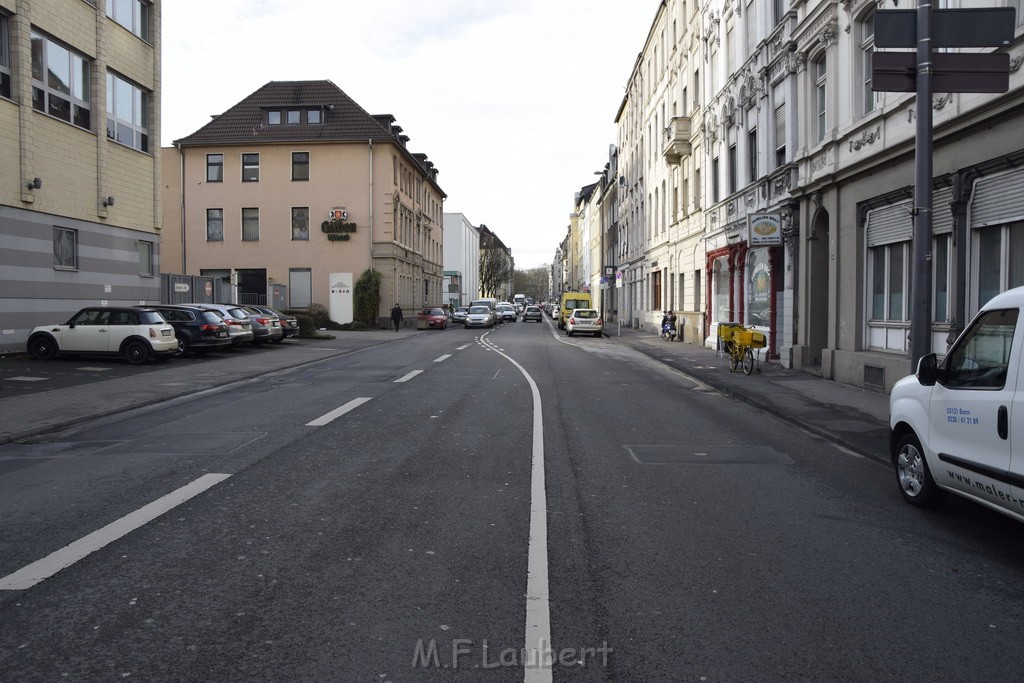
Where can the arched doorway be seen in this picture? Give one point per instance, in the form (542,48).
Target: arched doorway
(818,289)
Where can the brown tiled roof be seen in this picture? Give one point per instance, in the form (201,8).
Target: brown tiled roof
(343,120)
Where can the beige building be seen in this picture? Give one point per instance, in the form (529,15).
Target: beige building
(79,209)
(293,188)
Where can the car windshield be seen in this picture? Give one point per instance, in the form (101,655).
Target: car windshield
(532,309)
(479,310)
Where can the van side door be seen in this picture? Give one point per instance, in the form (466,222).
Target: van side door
(970,408)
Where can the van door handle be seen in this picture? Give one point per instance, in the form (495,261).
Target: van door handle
(1002,423)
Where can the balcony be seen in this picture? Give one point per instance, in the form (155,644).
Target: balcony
(677,145)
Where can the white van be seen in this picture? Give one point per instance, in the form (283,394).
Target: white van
(959,425)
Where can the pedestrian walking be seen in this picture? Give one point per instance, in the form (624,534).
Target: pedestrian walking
(396,316)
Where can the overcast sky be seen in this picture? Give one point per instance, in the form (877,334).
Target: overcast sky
(513,100)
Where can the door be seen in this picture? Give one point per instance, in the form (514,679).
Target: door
(87,332)
(970,408)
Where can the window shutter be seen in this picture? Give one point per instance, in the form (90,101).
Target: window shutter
(998,200)
(942,215)
(890,224)
(780,126)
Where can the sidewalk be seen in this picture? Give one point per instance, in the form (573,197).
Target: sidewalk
(855,418)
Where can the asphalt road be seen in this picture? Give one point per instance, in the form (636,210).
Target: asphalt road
(376,520)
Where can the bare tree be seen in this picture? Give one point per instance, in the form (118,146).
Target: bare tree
(495,273)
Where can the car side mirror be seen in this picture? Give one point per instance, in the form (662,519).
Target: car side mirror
(927,370)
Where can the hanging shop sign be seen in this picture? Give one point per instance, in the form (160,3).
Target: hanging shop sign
(764,230)
(336,227)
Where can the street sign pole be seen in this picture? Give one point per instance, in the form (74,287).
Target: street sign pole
(921,289)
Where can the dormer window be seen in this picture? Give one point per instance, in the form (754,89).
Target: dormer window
(295,117)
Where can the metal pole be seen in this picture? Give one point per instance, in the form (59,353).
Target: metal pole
(921,287)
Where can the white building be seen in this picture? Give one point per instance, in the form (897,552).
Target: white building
(461,260)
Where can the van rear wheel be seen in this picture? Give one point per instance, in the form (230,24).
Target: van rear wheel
(912,473)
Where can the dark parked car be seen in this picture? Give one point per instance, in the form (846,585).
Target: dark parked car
(532,313)
(240,327)
(266,327)
(289,323)
(196,330)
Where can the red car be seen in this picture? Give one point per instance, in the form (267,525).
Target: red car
(435,317)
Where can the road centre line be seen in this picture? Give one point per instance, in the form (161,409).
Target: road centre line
(337,412)
(537,641)
(30,575)
(408,377)
(443,358)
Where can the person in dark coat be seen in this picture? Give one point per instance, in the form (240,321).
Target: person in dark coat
(396,316)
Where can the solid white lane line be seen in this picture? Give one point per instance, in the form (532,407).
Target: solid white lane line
(337,412)
(443,358)
(408,377)
(538,659)
(28,576)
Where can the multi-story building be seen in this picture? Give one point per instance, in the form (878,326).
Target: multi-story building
(298,186)
(801,178)
(461,260)
(497,267)
(79,177)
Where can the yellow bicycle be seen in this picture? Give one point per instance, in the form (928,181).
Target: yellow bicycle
(739,342)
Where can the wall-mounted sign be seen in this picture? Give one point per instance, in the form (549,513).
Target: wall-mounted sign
(337,227)
(764,230)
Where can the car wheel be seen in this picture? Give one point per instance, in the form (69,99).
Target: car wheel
(136,353)
(597,334)
(182,347)
(912,473)
(42,348)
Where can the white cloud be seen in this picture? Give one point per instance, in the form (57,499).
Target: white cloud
(513,101)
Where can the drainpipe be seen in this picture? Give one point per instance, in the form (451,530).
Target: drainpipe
(181,207)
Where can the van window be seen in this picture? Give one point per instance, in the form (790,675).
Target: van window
(981,358)
(571,304)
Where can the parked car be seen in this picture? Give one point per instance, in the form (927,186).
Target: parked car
(533,313)
(435,318)
(584,320)
(479,316)
(507,312)
(289,323)
(266,327)
(955,426)
(136,334)
(459,314)
(196,331)
(240,327)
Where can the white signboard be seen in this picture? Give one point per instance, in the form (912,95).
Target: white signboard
(341,309)
(764,230)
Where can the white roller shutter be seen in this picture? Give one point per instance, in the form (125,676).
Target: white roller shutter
(998,199)
(942,215)
(889,224)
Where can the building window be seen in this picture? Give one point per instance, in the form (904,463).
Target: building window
(733,171)
(779,11)
(656,290)
(819,97)
(214,168)
(132,14)
(300,287)
(313,116)
(867,46)
(60,82)
(65,248)
(250,225)
(127,113)
(999,261)
(941,278)
(889,284)
(780,135)
(300,223)
(300,165)
(715,183)
(274,118)
(250,168)
(215,225)
(294,117)
(145,258)
(752,153)
(5,56)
